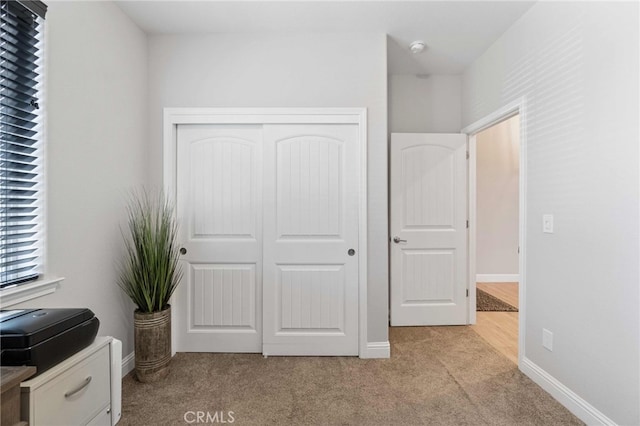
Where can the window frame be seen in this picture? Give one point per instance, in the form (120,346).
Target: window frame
(44,283)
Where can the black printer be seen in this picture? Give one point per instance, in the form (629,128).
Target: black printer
(44,337)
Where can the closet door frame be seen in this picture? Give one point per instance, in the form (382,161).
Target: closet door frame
(176,116)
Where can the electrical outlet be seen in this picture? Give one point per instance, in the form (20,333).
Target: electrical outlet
(547,339)
(547,223)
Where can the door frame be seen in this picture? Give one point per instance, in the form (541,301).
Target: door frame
(516,107)
(176,116)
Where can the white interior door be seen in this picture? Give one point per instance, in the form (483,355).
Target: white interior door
(428,229)
(310,226)
(218,305)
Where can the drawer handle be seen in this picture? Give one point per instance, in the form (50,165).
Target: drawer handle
(79,388)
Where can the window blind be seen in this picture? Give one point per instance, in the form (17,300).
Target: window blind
(21,215)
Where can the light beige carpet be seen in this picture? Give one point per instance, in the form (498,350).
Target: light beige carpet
(436,376)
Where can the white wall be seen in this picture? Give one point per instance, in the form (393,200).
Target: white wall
(95,148)
(287,70)
(426,104)
(497,168)
(577,65)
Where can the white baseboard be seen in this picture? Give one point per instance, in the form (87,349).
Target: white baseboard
(377,350)
(574,403)
(497,278)
(128,363)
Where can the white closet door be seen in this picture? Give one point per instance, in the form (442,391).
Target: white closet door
(218,305)
(310,225)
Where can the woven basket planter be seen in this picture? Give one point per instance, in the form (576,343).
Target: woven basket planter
(152,332)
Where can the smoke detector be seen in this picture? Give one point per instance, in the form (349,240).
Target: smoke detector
(417,46)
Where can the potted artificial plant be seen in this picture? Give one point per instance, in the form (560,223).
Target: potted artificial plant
(149,275)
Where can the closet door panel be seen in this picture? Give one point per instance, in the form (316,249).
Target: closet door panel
(218,305)
(310,299)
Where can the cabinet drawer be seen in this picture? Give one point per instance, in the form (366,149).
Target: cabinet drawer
(75,396)
(103,418)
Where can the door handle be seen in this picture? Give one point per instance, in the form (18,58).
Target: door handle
(183,250)
(397,240)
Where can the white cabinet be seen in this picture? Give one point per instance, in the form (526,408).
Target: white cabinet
(82,390)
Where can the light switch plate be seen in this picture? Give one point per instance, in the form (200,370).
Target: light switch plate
(547,223)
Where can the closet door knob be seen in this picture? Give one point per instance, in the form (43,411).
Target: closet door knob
(183,250)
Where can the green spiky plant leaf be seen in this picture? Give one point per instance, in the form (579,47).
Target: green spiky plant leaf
(150,272)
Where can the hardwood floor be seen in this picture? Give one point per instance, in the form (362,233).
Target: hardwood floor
(500,329)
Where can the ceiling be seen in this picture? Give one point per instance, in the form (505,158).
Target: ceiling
(455,32)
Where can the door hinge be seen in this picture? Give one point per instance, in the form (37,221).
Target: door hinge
(467,224)
(467,292)
(467,155)
(518,249)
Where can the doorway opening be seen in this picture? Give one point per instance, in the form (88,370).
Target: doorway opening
(497,242)
(434,224)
